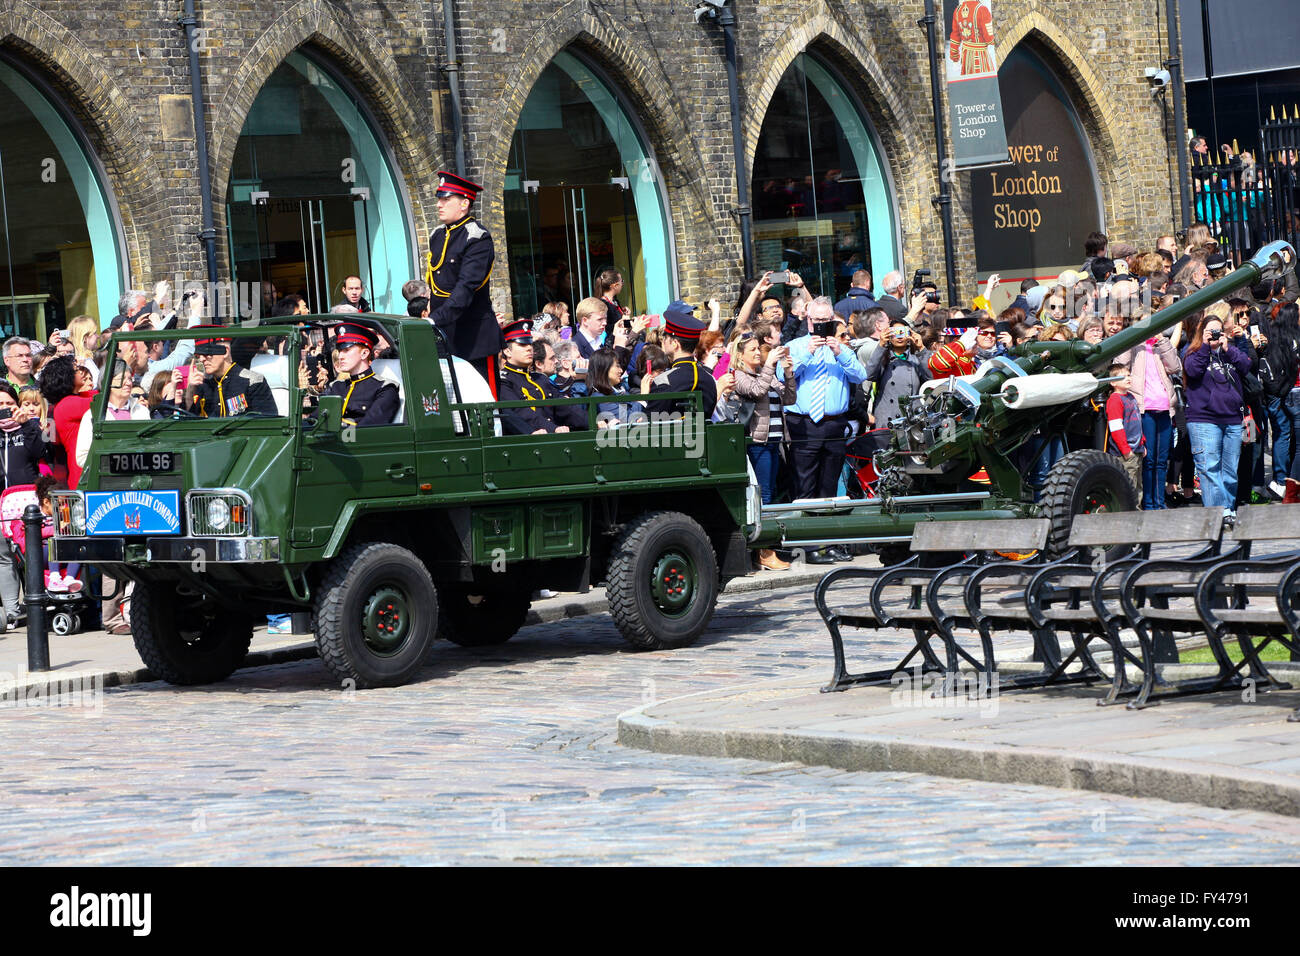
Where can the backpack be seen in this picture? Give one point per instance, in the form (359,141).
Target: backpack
(1278,382)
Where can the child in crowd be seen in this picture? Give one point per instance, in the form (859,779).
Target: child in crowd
(55,578)
(1124,427)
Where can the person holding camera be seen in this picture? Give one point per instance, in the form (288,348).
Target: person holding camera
(1215,370)
(897,368)
(825,371)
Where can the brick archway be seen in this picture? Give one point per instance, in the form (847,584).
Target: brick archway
(108,119)
(1121,201)
(349,49)
(867,70)
(693,215)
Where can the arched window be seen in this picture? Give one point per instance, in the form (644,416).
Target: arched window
(60,243)
(1031,217)
(582,194)
(313,196)
(822,202)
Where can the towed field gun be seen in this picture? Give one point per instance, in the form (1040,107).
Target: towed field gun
(921,467)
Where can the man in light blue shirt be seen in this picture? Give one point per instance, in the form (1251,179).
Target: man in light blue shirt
(825,372)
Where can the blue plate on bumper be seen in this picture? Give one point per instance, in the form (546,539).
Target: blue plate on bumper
(133,512)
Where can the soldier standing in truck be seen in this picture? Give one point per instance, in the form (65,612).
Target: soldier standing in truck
(459,267)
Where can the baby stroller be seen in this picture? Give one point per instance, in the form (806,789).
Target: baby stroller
(65,608)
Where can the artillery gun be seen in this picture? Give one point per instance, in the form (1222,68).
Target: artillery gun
(922,465)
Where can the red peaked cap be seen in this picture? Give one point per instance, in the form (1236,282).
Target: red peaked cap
(211,345)
(520,331)
(449,184)
(349,333)
(680,321)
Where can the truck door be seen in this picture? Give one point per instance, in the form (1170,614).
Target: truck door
(361,463)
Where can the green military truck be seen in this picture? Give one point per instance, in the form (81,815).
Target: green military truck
(391,536)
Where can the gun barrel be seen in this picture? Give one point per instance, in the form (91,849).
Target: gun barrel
(1273,260)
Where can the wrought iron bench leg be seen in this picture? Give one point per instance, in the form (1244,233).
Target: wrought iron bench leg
(842,679)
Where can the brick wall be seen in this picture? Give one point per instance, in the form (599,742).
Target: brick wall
(114,62)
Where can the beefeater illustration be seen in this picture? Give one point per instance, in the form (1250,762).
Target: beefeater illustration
(971,38)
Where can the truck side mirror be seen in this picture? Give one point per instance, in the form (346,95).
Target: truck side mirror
(329,418)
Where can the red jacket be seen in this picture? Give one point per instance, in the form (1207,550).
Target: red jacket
(67,417)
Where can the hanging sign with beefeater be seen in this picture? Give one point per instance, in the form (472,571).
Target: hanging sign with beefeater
(974,100)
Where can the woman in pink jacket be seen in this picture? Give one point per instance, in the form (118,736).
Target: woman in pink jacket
(1151,366)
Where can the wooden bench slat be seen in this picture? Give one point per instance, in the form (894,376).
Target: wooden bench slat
(1170,614)
(1165,578)
(996,534)
(1266,523)
(1249,615)
(1069,614)
(1177,526)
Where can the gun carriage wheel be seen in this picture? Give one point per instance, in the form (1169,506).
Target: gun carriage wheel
(1084,482)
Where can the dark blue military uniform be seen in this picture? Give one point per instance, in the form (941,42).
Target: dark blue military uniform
(367,400)
(458,269)
(517,384)
(685,375)
(238,392)
(521,385)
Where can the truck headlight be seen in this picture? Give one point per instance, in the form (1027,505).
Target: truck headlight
(219,512)
(69,513)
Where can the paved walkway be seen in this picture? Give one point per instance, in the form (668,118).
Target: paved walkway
(1218,750)
(112,659)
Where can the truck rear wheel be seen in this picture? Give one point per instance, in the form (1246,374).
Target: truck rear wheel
(194,641)
(376,615)
(1083,482)
(662,581)
(482,617)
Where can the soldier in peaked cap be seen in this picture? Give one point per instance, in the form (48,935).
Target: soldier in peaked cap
(228,389)
(459,266)
(367,400)
(519,383)
(681,333)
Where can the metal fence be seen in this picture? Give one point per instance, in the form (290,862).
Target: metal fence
(1248,200)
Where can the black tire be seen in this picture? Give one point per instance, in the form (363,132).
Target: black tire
(494,618)
(891,554)
(674,545)
(370,588)
(62,623)
(187,641)
(1083,482)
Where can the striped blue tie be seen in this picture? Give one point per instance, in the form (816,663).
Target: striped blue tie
(817,394)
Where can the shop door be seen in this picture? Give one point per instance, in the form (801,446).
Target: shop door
(562,236)
(300,245)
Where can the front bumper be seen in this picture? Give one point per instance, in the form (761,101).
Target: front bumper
(169,550)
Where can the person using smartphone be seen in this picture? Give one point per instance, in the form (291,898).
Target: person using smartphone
(825,372)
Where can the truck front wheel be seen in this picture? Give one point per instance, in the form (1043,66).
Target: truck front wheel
(376,615)
(187,641)
(662,581)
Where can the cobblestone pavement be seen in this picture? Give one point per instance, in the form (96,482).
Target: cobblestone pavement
(508,755)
